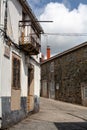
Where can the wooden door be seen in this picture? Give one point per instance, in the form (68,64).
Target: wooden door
(16,86)
(30,97)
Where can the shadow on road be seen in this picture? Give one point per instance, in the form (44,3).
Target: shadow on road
(71,125)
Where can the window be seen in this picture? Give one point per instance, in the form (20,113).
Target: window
(52,67)
(85,92)
(15,72)
(44,88)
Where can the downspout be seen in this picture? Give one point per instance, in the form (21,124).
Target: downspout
(0,74)
(5,17)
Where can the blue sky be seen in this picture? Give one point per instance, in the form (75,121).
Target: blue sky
(36,5)
(69,16)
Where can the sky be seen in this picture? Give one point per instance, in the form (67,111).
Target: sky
(68,16)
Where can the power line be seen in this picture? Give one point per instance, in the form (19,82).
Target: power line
(66,34)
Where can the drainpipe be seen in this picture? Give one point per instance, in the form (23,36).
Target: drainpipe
(5,17)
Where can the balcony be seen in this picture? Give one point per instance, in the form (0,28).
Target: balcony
(29,39)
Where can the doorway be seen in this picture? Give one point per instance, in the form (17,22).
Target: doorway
(16,85)
(30,97)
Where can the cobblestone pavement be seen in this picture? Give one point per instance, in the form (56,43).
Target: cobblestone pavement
(55,115)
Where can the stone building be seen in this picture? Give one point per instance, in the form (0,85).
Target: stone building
(64,76)
(20,42)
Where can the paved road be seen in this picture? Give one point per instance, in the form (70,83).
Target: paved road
(55,115)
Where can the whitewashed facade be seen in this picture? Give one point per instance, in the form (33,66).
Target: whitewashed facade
(19,61)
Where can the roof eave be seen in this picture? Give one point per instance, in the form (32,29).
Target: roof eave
(28,9)
(65,52)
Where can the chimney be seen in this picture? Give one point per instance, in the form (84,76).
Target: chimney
(48,52)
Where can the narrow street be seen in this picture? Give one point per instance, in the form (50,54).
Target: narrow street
(55,115)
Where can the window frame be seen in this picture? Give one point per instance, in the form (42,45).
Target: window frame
(19,82)
(85,90)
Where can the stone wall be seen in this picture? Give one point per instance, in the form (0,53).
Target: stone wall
(69,75)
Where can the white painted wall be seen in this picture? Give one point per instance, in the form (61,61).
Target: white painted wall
(36,77)
(6,75)
(2,12)
(0,80)
(24,77)
(1,52)
(37,80)
(15,15)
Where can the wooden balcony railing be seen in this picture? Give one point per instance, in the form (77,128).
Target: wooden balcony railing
(29,40)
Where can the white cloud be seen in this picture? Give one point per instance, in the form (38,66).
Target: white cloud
(65,21)
(67,3)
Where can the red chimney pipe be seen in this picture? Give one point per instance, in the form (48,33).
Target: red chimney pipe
(48,52)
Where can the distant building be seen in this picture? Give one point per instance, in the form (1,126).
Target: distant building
(64,76)
(20,37)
